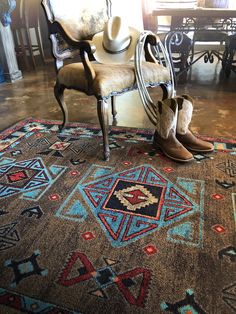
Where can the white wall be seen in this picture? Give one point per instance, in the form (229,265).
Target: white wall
(232,4)
(130,11)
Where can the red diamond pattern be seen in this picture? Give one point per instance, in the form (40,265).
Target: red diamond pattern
(217,196)
(88,236)
(150,249)
(219,228)
(54,197)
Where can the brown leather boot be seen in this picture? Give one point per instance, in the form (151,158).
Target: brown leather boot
(164,136)
(183,134)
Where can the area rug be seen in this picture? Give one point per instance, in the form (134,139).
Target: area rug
(137,234)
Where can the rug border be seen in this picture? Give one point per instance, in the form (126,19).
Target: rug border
(13,125)
(22,122)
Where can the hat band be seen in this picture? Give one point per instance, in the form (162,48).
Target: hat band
(120,51)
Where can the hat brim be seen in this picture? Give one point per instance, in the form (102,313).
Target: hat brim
(102,56)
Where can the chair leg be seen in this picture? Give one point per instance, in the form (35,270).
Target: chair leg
(113,106)
(225,56)
(192,51)
(29,46)
(39,44)
(229,63)
(22,48)
(102,109)
(59,95)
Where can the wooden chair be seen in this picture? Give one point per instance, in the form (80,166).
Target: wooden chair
(72,24)
(178,46)
(25,26)
(17,26)
(229,60)
(208,36)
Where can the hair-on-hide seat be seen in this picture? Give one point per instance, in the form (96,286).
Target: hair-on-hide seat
(72,25)
(109,80)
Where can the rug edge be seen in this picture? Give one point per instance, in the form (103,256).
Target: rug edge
(96,125)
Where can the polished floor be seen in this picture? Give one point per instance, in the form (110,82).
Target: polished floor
(214,108)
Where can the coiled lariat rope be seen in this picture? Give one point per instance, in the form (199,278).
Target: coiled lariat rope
(162,58)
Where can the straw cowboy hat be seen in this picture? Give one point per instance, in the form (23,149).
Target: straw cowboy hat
(116,43)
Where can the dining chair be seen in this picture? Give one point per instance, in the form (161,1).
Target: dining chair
(26,32)
(72,25)
(229,56)
(178,45)
(205,36)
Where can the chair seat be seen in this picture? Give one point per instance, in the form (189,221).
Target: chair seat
(111,80)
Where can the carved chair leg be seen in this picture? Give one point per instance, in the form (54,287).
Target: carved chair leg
(102,109)
(59,95)
(113,106)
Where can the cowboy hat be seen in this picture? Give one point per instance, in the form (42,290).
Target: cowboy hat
(116,43)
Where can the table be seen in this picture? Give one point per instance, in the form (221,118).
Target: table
(199,20)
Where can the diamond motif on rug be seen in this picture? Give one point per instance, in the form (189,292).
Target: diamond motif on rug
(30,178)
(136,202)
(131,198)
(22,176)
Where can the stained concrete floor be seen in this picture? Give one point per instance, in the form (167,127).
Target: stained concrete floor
(214,109)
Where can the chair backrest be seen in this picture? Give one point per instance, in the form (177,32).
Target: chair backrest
(80,19)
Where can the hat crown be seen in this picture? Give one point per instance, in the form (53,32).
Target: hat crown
(116,43)
(116,35)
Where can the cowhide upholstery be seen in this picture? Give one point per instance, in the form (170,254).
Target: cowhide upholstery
(112,79)
(80,19)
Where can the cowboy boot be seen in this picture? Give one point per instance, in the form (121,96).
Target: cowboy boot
(164,136)
(183,134)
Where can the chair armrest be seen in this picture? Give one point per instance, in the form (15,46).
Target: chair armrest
(85,47)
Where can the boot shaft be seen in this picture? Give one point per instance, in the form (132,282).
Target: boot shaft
(185,111)
(167,111)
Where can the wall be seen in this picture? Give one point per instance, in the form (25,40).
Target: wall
(232,4)
(130,10)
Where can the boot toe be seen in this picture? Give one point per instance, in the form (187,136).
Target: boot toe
(172,148)
(201,147)
(180,154)
(195,144)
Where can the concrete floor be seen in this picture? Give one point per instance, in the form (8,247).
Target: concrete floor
(214,109)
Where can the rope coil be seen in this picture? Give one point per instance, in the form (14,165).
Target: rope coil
(161,57)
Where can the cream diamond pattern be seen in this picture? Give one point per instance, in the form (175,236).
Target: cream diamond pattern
(135,197)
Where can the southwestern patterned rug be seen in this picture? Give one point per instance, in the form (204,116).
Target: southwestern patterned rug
(137,234)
